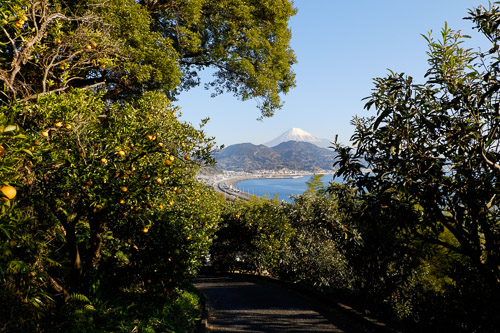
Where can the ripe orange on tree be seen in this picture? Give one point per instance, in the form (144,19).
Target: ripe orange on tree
(8,191)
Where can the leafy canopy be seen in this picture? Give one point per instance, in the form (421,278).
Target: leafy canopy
(436,146)
(126,47)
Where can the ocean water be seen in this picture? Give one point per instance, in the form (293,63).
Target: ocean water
(283,187)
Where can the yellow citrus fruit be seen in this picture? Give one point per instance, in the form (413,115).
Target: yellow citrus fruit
(122,201)
(159,180)
(186,157)
(168,162)
(45,133)
(93,44)
(121,153)
(88,47)
(57,40)
(8,191)
(145,230)
(58,124)
(123,189)
(171,203)
(68,126)
(160,144)
(2,150)
(104,161)
(172,158)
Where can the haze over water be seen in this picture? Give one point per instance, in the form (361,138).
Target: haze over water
(284,187)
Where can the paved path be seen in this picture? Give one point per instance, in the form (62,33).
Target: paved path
(239,304)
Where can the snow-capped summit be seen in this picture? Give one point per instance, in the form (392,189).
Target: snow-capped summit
(297,134)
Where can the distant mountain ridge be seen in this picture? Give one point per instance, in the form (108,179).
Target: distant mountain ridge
(290,155)
(299,135)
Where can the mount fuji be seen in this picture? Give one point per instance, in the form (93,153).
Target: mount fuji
(293,150)
(299,135)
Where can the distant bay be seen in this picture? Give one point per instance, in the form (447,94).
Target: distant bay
(283,187)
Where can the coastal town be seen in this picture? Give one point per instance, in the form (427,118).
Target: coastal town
(225,181)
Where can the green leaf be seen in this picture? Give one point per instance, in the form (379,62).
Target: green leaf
(28,152)
(10,128)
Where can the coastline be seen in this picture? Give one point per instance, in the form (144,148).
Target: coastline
(227,183)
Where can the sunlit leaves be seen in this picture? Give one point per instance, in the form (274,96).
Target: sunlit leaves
(435,145)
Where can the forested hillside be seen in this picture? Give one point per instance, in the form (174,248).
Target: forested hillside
(291,155)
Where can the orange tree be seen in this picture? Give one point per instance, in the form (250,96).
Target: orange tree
(106,170)
(22,239)
(110,175)
(109,192)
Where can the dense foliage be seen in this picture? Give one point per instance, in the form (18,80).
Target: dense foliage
(102,220)
(254,236)
(127,47)
(100,205)
(433,149)
(414,232)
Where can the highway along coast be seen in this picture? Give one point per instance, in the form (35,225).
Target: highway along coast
(225,182)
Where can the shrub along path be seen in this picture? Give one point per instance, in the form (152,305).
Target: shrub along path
(244,304)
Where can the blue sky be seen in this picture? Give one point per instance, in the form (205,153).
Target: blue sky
(340,47)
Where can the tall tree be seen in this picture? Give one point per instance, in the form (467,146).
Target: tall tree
(126,47)
(436,145)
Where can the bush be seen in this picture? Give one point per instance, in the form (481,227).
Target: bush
(254,236)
